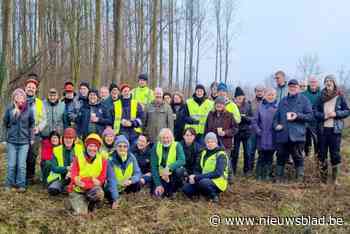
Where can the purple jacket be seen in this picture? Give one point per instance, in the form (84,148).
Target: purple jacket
(262,125)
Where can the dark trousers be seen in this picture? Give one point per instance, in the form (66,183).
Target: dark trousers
(31,160)
(235,153)
(45,167)
(311,139)
(295,149)
(265,158)
(204,187)
(175,182)
(251,151)
(330,142)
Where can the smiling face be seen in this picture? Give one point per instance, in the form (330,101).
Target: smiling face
(240,99)
(270,95)
(280,79)
(293,89)
(93,98)
(68,142)
(189,138)
(30,89)
(92,149)
(142,83)
(104,92)
(166,138)
(167,99)
(122,149)
(259,93)
(19,100)
(329,85)
(109,139)
(53,97)
(177,99)
(55,140)
(142,142)
(313,83)
(219,107)
(115,93)
(126,92)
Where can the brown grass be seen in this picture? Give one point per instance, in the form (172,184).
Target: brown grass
(36,212)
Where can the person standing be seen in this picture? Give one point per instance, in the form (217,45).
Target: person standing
(331,110)
(158,115)
(38,108)
(312,93)
(281,85)
(19,123)
(289,124)
(143,94)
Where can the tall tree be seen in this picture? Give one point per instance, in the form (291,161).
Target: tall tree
(153,44)
(97,54)
(171,42)
(190,71)
(118,6)
(160,77)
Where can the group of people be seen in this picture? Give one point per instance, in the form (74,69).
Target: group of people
(97,144)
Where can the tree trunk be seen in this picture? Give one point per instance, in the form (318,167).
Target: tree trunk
(160,82)
(97,54)
(24,32)
(153,44)
(171,42)
(118,6)
(190,80)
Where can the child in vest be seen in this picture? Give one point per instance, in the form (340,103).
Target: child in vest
(47,146)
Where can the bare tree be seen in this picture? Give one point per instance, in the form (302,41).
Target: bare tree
(97,54)
(118,6)
(308,65)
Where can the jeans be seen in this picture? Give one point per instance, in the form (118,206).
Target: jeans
(204,187)
(329,141)
(235,153)
(16,164)
(251,151)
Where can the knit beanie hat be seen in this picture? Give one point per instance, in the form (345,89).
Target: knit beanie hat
(239,92)
(211,136)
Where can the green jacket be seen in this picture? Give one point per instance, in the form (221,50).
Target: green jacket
(180,161)
(312,96)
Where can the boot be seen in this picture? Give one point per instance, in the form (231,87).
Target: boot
(335,173)
(324,172)
(279,174)
(300,174)
(258,171)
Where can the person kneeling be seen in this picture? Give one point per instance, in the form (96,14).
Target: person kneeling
(167,159)
(210,176)
(88,175)
(123,174)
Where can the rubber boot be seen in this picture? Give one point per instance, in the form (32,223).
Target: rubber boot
(259,171)
(300,174)
(335,174)
(267,172)
(279,174)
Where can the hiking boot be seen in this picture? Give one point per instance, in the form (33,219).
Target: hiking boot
(21,190)
(215,199)
(259,172)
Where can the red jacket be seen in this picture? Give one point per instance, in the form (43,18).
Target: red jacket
(88,183)
(46,150)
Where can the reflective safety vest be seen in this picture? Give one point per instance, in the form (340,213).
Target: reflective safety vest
(210,165)
(143,95)
(58,154)
(123,175)
(171,155)
(233,109)
(106,154)
(39,113)
(89,170)
(199,112)
(118,113)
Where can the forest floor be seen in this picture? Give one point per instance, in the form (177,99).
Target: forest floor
(36,212)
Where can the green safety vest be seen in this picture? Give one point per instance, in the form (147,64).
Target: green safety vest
(143,95)
(118,113)
(199,112)
(122,176)
(210,165)
(39,114)
(171,155)
(58,154)
(233,109)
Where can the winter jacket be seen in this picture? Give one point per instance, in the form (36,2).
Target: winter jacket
(262,125)
(192,152)
(156,118)
(112,182)
(71,110)
(54,114)
(225,121)
(180,161)
(19,130)
(85,127)
(179,122)
(292,130)
(341,109)
(143,158)
(281,92)
(244,127)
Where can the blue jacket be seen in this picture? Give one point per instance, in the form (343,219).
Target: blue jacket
(83,119)
(112,182)
(262,125)
(293,131)
(19,130)
(341,109)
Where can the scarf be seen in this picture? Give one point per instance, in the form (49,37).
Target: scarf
(327,95)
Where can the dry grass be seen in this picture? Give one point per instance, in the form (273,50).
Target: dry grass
(36,212)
